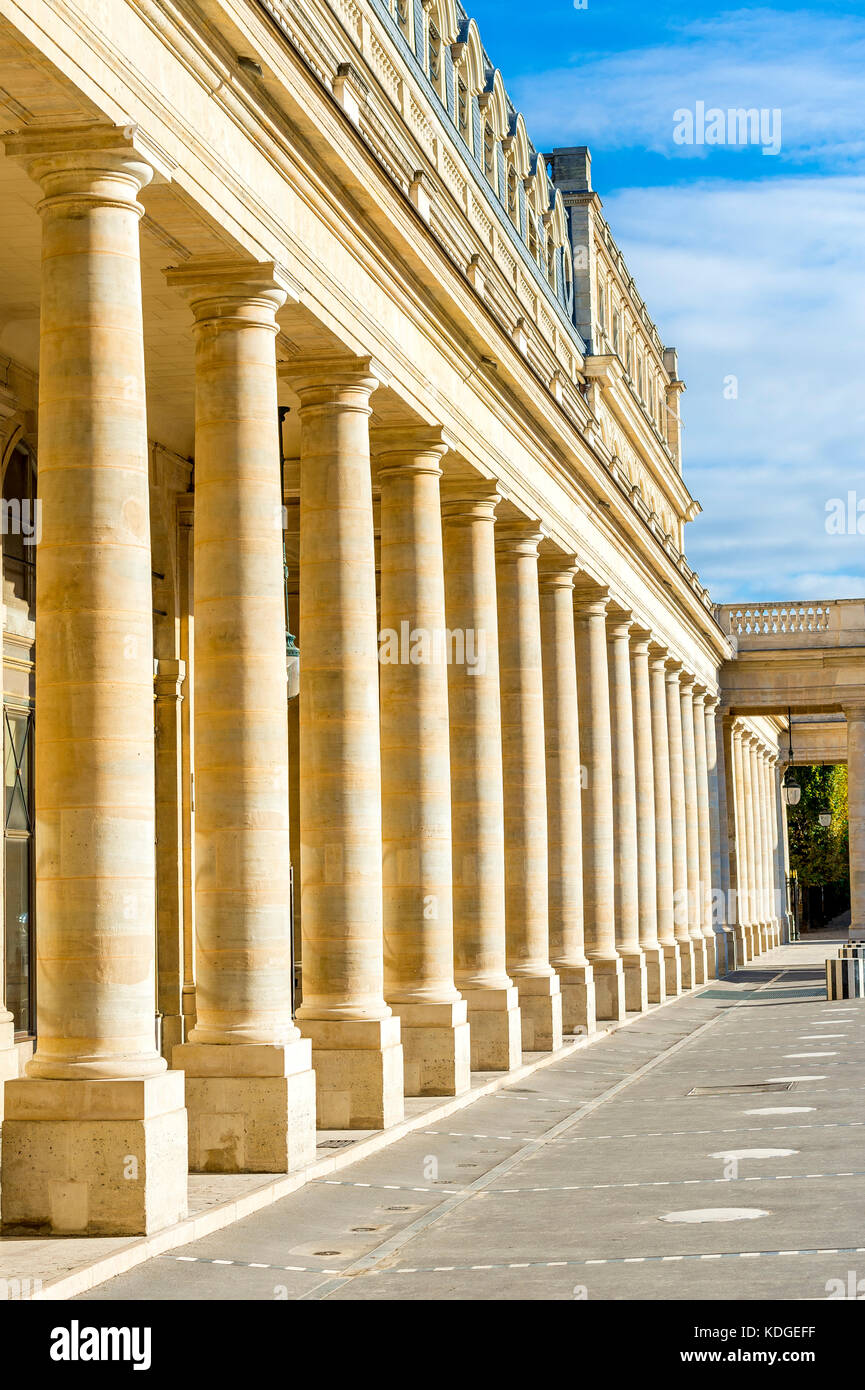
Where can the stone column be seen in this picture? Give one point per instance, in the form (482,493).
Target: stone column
(477,803)
(590,610)
(647,856)
(692,830)
(687,954)
(704,831)
(564,819)
(760,846)
(524,779)
(663,820)
(415,756)
(742,924)
(186,602)
(784,913)
(170,676)
(768,909)
(720,904)
(775,903)
(752,919)
(357,1053)
(250,1086)
(94,1139)
(625,811)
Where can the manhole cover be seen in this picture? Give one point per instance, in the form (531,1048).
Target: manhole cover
(327,1252)
(750,1088)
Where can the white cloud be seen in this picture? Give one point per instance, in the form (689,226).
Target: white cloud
(762,281)
(806,64)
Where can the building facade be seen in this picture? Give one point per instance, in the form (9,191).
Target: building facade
(300,333)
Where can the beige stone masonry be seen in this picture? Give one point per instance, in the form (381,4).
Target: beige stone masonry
(619,624)
(678,814)
(644,779)
(663,811)
(357,1053)
(416,810)
(590,616)
(94,736)
(704,831)
(477,804)
(524,779)
(244,1116)
(563,775)
(692,831)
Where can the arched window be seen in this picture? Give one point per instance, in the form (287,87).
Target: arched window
(490,153)
(567,273)
(513,194)
(464,111)
(534,244)
(402,10)
(435,58)
(551,262)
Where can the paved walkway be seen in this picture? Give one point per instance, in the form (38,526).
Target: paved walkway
(601,1177)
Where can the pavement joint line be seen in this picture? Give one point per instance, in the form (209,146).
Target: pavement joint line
(595,1186)
(343,1275)
(389,1247)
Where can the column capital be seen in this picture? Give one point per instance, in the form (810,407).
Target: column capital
(619,620)
(232,292)
(641,640)
(469,499)
(519,537)
(338,379)
(103,163)
(591,599)
(557,570)
(658,655)
(402,449)
(674,669)
(687,682)
(168,677)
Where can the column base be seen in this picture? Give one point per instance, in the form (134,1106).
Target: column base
(358,1071)
(94,1158)
(727,948)
(436,1048)
(711,957)
(700,964)
(636,988)
(743,944)
(656,974)
(577,983)
(672,970)
(609,977)
(12,1058)
(540,1011)
(495,1028)
(251,1106)
(688,964)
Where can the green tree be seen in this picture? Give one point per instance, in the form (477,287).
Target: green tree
(818,854)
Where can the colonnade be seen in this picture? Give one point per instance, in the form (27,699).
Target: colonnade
(756,896)
(494,853)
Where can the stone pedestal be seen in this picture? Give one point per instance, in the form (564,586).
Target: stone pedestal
(436,1048)
(358,1072)
(251,1107)
(94,1157)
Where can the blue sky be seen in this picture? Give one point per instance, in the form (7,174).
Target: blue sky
(751,264)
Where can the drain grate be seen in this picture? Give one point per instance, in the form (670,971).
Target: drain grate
(750,1088)
(335,1143)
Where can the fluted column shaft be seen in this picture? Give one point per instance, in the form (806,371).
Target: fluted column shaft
(678,806)
(564,819)
(704,832)
(644,775)
(625,812)
(663,820)
(477,801)
(590,606)
(66,1159)
(357,1052)
(524,779)
(416,811)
